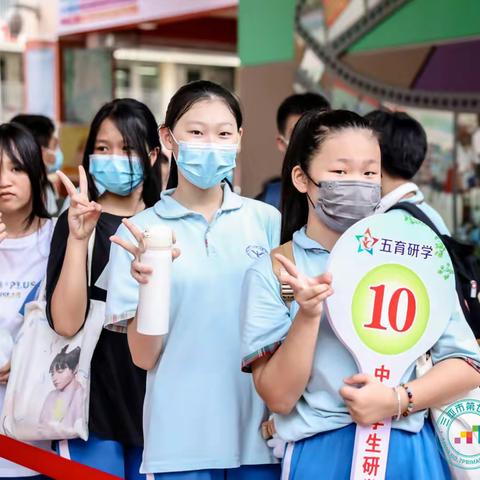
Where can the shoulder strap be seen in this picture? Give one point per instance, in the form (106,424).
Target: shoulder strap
(416,212)
(43,285)
(447,241)
(286,250)
(91,243)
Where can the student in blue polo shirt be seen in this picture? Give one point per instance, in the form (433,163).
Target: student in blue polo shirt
(300,368)
(202,416)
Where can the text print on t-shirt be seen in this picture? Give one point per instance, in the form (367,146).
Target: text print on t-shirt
(15,289)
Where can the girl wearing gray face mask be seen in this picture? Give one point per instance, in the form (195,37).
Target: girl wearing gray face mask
(303,372)
(340,182)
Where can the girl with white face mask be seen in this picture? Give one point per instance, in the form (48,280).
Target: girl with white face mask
(202,417)
(331,179)
(119,178)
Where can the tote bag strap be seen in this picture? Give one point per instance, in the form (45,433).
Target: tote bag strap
(42,291)
(43,283)
(91,243)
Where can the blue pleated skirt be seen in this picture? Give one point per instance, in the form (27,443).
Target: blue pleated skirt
(328,456)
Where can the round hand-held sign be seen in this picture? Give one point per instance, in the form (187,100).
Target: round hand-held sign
(394,287)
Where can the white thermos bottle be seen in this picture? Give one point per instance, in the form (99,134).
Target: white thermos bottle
(154,301)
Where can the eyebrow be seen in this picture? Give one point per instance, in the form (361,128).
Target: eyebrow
(370,161)
(348,160)
(197,122)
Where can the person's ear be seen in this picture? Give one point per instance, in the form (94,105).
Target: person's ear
(166,137)
(282,147)
(240,134)
(299,179)
(154,155)
(47,156)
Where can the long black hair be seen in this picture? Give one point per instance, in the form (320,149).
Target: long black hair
(135,121)
(307,138)
(185,98)
(24,152)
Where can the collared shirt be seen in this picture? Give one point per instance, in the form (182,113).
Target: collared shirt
(266,321)
(200,411)
(428,210)
(398,194)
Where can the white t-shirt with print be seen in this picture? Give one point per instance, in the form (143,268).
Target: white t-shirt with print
(23,263)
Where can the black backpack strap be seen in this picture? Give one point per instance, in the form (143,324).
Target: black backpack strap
(416,212)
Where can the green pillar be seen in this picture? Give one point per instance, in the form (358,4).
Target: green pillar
(266,31)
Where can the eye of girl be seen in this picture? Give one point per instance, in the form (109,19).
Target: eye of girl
(101,148)
(195,132)
(339,172)
(370,174)
(225,134)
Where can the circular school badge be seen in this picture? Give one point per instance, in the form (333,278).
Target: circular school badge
(394,292)
(458,429)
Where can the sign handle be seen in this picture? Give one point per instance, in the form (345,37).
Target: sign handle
(371,451)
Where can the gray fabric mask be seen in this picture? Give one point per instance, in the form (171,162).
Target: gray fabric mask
(342,203)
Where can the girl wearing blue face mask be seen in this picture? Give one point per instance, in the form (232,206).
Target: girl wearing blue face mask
(331,179)
(202,417)
(119,178)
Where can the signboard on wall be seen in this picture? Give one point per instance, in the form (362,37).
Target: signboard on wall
(87,82)
(76,16)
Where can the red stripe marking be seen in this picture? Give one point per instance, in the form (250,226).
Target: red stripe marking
(48,463)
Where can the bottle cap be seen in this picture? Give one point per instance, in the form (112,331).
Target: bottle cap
(158,236)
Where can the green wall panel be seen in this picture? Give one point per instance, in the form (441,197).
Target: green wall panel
(424,21)
(266,31)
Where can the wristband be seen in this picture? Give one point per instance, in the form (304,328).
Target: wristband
(410,405)
(399,405)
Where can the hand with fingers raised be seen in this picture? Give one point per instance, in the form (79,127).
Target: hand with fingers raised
(309,292)
(139,271)
(3,229)
(83,214)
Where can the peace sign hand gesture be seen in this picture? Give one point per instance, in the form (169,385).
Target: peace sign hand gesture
(83,214)
(139,271)
(309,292)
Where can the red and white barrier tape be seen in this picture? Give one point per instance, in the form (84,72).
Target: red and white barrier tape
(48,463)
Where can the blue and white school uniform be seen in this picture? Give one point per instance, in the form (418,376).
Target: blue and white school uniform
(201,413)
(319,427)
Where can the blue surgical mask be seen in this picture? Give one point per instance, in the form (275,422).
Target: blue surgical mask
(229,177)
(116,174)
(206,164)
(58,162)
